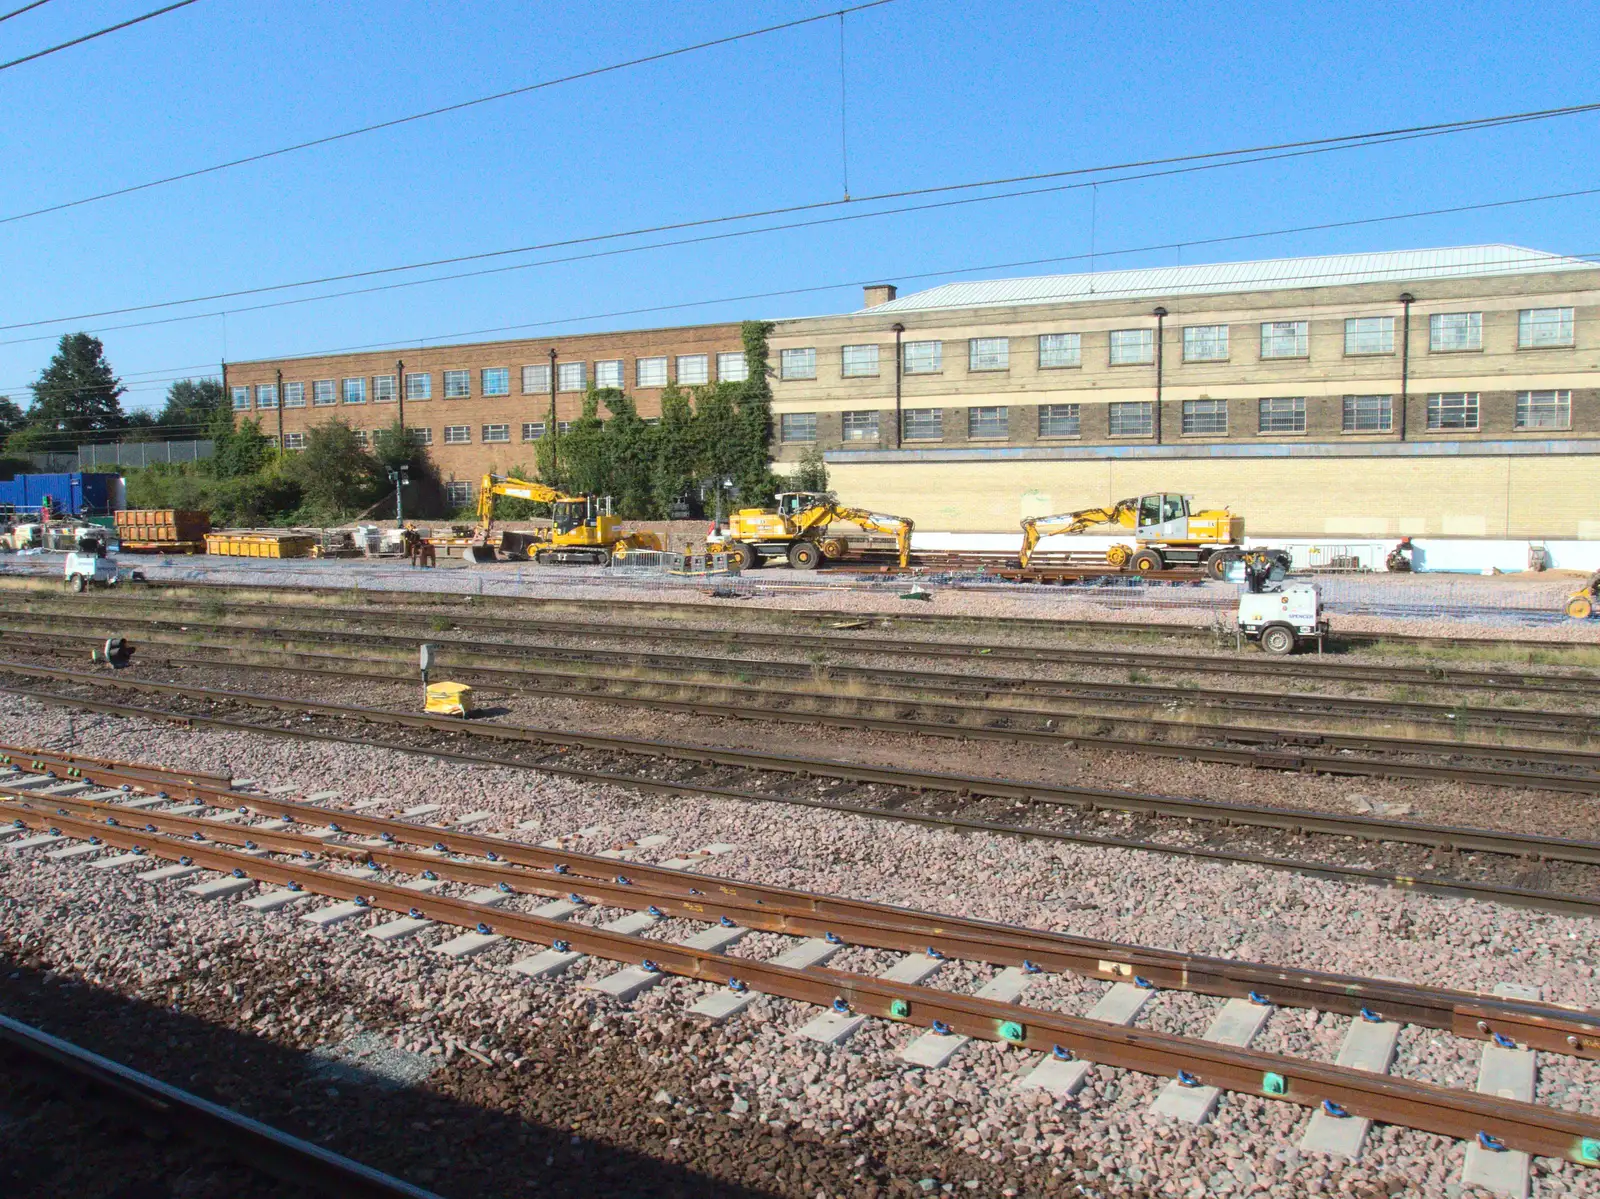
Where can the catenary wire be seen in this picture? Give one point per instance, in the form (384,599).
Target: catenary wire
(17,12)
(440,111)
(89,37)
(1198,162)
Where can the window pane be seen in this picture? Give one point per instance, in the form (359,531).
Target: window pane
(922,424)
(693,370)
(1060,349)
(1368,414)
(496,381)
(535,379)
(1544,327)
(294,395)
(294,441)
(989,354)
(651,372)
(798,426)
(1369,335)
(1205,343)
(459,494)
(857,362)
(457,384)
(267,395)
(732,367)
(421,436)
(383,389)
(322,393)
(1285,339)
(1130,346)
(609,373)
(1059,420)
(1284,415)
(457,434)
(355,391)
(924,357)
(497,433)
(532,430)
(1131,419)
(991,423)
(1205,416)
(1544,409)
(241,398)
(563,427)
(1455,331)
(572,376)
(1453,410)
(861,426)
(799,364)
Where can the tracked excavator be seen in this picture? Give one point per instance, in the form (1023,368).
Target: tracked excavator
(797,529)
(582,532)
(1167,532)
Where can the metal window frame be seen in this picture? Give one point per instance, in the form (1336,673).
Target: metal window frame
(360,386)
(1191,414)
(810,418)
(1474,329)
(424,389)
(377,392)
(653,361)
(262,391)
(1468,401)
(532,424)
(1220,334)
(1115,349)
(1566,321)
(1076,417)
(908,433)
(935,359)
(866,419)
(1560,404)
(458,491)
(426,432)
(704,372)
(485,439)
(723,376)
(465,429)
(1351,414)
(324,393)
(483,380)
(464,377)
(1120,407)
(294,395)
(979,414)
(241,390)
(1267,414)
(564,371)
(797,354)
(1302,338)
(537,383)
(294,441)
(1354,328)
(1077,351)
(604,366)
(973,352)
(848,370)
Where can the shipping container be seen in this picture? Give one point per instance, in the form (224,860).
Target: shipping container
(70,494)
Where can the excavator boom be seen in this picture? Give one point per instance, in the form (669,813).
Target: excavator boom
(1034,527)
(899,527)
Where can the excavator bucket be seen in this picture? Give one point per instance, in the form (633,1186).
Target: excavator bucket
(479,555)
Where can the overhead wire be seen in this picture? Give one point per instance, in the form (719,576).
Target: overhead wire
(17,12)
(89,37)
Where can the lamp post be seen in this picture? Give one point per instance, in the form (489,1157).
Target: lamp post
(399,476)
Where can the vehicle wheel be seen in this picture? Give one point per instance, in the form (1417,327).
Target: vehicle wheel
(605,558)
(804,556)
(1146,561)
(1217,565)
(744,555)
(1580,607)
(80,584)
(1277,639)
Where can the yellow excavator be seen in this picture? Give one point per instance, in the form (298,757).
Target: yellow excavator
(798,530)
(582,532)
(1581,604)
(1167,532)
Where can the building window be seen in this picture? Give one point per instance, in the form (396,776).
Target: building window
(273,442)
(457,385)
(989,354)
(1205,343)
(362,437)
(458,435)
(563,427)
(798,364)
(650,372)
(535,380)
(1368,414)
(383,388)
(496,381)
(1539,327)
(420,436)
(496,434)
(922,424)
(1060,349)
(1136,419)
(1129,347)
(1285,414)
(267,395)
(1453,410)
(322,394)
(1544,410)
(858,362)
(988,424)
(294,441)
(241,398)
(797,426)
(419,385)
(1449,332)
(572,376)
(693,370)
(355,391)
(1060,420)
(458,495)
(732,367)
(924,357)
(1205,418)
(609,373)
(1369,335)
(294,395)
(532,430)
(1285,339)
(861,426)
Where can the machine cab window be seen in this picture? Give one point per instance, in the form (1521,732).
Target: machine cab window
(791,503)
(1158,510)
(570,515)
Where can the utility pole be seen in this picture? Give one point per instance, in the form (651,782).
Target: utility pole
(899,371)
(1407,299)
(400,396)
(555,445)
(1161,316)
(280,414)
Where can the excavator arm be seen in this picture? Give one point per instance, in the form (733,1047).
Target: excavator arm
(1123,512)
(817,520)
(494,486)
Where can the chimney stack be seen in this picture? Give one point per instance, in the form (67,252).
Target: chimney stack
(879,293)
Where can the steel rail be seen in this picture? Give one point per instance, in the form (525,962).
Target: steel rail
(774,909)
(1530,1127)
(1568,903)
(145,1100)
(1253,664)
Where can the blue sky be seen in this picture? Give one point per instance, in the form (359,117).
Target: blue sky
(939,92)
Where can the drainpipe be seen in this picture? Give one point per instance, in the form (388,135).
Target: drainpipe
(280,414)
(554,435)
(899,371)
(400,395)
(1161,316)
(1407,299)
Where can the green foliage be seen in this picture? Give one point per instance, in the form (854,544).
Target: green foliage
(336,474)
(812,472)
(11,417)
(267,497)
(753,405)
(239,452)
(76,393)
(192,407)
(672,451)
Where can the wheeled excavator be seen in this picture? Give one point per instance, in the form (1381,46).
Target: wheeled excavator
(1167,532)
(582,532)
(1583,603)
(797,529)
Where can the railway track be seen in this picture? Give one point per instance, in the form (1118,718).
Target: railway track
(1551,873)
(305,849)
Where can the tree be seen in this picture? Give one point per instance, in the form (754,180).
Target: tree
(672,469)
(239,451)
(811,474)
(584,452)
(752,432)
(335,471)
(394,447)
(11,418)
(191,405)
(77,392)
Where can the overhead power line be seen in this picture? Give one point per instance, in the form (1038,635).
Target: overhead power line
(17,12)
(89,37)
(435,112)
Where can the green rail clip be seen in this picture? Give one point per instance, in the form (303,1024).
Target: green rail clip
(1011,1031)
(1274,1084)
(899,1009)
(1589,1151)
